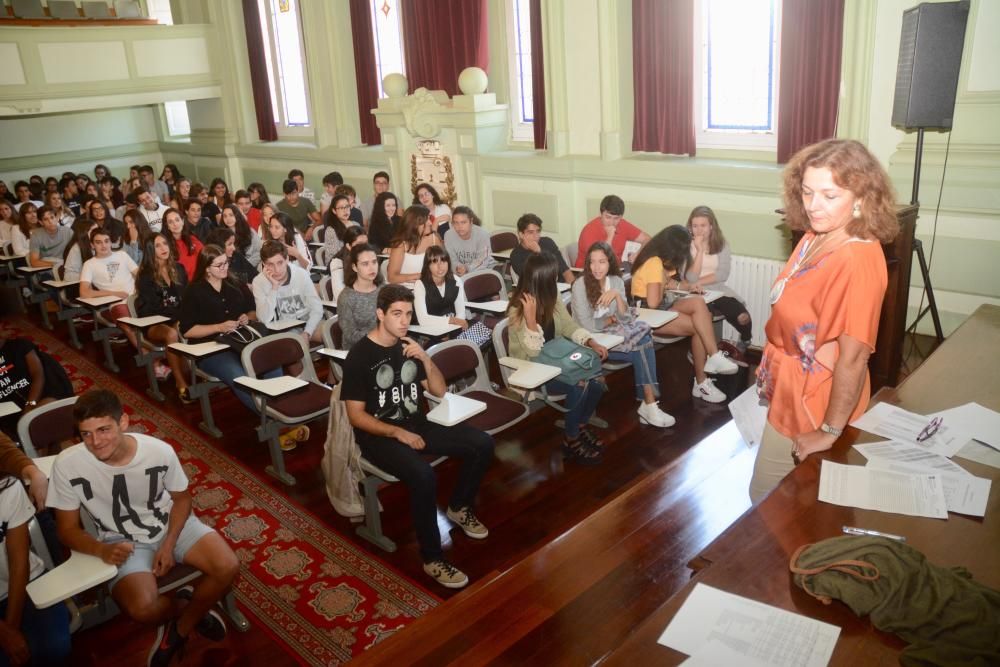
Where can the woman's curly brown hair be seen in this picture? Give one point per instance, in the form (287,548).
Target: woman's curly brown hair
(854,168)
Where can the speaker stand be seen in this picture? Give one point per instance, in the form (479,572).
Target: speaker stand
(918,247)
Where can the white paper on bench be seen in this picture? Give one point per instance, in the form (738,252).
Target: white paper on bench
(331,352)
(9,408)
(454,409)
(433,329)
(282,325)
(272,387)
(98,301)
(142,322)
(198,349)
(499,306)
(657,318)
(608,340)
(59,284)
(79,573)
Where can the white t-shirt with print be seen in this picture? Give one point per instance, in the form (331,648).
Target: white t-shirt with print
(112,273)
(15,510)
(130,501)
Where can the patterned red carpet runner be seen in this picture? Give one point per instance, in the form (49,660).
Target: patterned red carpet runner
(314,592)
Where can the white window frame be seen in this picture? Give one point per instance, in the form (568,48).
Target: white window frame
(379,66)
(176,119)
(273,76)
(756,140)
(520,131)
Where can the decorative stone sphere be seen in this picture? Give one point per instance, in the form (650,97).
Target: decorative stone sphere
(395,85)
(472,81)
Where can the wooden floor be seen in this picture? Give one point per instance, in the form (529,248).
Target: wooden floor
(528,499)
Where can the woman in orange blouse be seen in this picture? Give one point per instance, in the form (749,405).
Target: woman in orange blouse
(825,304)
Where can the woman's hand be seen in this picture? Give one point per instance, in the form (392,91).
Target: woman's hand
(606,298)
(811,442)
(244,319)
(460,322)
(292,251)
(227,326)
(528,309)
(601,351)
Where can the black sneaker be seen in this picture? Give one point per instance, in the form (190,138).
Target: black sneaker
(168,644)
(211,626)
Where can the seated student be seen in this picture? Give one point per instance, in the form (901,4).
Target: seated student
(181,193)
(241,271)
(155,187)
(109,194)
(383,376)
(281,228)
(129,203)
(330,183)
(531,242)
(135,487)
(159,284)
(96,211)
(64,214)
(109,273)
(171,176)
(709,270)
(20,227)
(212,305)
(380,184)
(299,178)
(384,221)
(247,243)
(8,220)
(136,233)
(336,221)
(24,196)
(440,213)
(438,297)
(352,196)
(406,253)
(352,237)
(28,635)
(188,245)
(284,291)
(258,195)
(202,194)
(356,302)
(653,277)
(78,250)
(300,211)
(251,213)
(200,225)
(29,377)
(611,228)
(599,306)
(71,195)
(537,315)
(151,208)
(218,199)
(467,242)
(48,242)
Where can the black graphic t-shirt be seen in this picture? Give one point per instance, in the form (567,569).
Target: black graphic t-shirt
(15,378)
(387,382)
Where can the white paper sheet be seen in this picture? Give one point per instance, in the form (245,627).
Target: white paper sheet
(752,630)
(883,491)
(9,408)
(904,452)
(750,415)
(982,423)
(630,251)
(963,493)
(980,453)
(896,423)
(198,349)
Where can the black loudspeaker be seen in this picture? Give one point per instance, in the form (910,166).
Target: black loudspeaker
(930,55)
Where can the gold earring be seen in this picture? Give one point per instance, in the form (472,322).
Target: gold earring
(857,210)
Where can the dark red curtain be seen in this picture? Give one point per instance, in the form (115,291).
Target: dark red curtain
(811,39)
(440,39)
(537,73)
(663,76)
(365,72)
(266,129)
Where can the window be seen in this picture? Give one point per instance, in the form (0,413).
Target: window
(286,69)
(736,73)
(178,124)
(388,38)
(521,91)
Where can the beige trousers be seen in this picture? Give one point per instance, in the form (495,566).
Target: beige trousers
(774,461)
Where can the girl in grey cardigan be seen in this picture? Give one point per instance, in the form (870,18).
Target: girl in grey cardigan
(356,303)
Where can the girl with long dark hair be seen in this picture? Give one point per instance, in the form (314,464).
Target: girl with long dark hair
(406,253)
(384,221)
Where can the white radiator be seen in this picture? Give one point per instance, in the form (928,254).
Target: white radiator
(751,278)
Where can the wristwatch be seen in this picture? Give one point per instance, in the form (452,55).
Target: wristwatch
(30,404)
(826,428)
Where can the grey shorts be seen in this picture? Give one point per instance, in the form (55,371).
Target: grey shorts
(141,559)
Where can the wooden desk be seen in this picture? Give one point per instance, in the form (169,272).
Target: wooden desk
(751,557)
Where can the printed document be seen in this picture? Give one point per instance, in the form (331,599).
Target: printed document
(904,452)
(750,415)
(963,493)
(883,491)
(982,423)
(896,423)
(754,632)
(980,453)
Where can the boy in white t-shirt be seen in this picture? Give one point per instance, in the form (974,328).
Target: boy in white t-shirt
(109,273)
(27,634)
(136,491)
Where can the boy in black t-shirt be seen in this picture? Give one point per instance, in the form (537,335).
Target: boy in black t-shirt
(383,376)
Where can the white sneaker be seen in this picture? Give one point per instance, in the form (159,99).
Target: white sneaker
(720,364)
(707,391)
(650,413)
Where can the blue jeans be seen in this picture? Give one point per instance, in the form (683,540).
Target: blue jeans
(227,366)
(643,360)
(581,401)
(46,631)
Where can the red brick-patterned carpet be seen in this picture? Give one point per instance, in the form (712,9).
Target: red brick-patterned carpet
(322,598)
